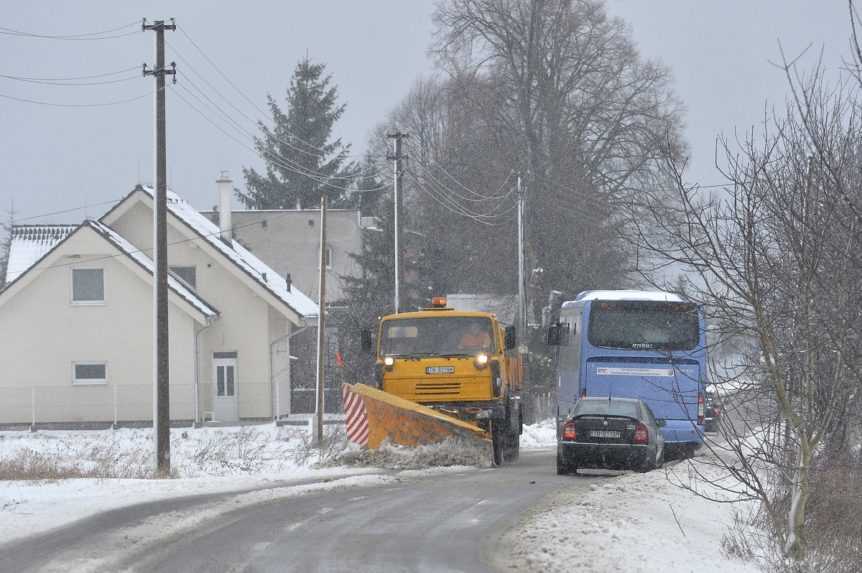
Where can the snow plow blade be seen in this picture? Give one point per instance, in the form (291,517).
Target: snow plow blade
(373,416)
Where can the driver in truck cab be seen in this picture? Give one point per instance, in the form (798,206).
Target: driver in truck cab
(475,338)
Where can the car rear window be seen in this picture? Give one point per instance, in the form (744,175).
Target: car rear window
(606,408)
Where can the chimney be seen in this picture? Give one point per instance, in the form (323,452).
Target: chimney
(225,189)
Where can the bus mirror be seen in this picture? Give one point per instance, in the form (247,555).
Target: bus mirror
(558,334)
(366,340)
(511,338)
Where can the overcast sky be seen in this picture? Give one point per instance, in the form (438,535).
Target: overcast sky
(54,158)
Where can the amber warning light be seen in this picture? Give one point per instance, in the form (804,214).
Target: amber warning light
(438,302)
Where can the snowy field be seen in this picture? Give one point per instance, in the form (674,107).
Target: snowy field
(630,522)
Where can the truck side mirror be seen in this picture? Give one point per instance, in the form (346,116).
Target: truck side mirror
(511,338)
(367,340)
(558,334)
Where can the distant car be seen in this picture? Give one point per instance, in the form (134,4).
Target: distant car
(713,408)
(616,433)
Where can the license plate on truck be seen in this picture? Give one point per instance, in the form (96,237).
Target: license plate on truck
(440,370)
(604,434)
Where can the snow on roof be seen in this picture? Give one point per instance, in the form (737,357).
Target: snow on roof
(139,257)
(30,243)
(625,295)
(242,257)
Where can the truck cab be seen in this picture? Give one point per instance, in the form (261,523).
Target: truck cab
(462,363)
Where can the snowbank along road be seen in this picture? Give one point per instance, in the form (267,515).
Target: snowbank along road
(450,519)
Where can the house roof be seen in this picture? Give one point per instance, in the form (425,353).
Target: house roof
(30,243)
(144,261)
(276,284)
(34,245)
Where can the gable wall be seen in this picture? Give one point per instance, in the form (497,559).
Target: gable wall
(244,322)
(42,333)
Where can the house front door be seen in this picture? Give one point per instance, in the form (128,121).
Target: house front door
(225,388)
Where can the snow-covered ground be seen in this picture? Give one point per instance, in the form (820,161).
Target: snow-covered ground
(630,522)
(114,464)
(539,435)
(204,460)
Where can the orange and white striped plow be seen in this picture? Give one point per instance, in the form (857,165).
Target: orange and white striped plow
(373,416)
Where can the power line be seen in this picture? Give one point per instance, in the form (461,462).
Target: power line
(238,90)
(64,211)
(76,105)
(269,133)
(276,159)
(73,78)
(101,35)
(65,83)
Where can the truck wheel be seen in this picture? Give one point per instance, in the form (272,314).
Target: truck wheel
(498,440)
(513,450)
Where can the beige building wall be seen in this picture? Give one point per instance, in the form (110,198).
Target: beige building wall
(246,325)
(42,333)
(289,242)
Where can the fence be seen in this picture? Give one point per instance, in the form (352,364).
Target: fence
(119,403)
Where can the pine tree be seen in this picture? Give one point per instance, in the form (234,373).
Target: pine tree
(300,159)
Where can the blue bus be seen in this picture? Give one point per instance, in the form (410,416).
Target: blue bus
(635,344)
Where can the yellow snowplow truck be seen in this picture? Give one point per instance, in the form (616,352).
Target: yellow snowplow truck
(462,364)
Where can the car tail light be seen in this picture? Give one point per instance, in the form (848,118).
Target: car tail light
(569,433)
(641,434)
(700,409)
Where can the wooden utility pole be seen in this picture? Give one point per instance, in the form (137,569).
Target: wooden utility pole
(522,270)
(321,329)
(398,191)
(161,358)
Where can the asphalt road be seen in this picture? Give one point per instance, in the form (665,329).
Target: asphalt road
(447,522)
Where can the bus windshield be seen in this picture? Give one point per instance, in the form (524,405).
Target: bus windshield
(644,325)
(436,336)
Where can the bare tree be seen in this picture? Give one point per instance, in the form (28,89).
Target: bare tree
(775,258)
(584,116)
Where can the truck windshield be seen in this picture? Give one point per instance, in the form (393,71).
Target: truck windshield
(436,336)
(644,325)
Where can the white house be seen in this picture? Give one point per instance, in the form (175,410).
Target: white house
(76,321)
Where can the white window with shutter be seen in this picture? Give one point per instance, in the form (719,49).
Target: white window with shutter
(88,286)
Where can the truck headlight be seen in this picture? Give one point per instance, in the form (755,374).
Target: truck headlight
(481,360)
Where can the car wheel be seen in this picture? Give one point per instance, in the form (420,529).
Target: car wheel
(647,465)
(565,468)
